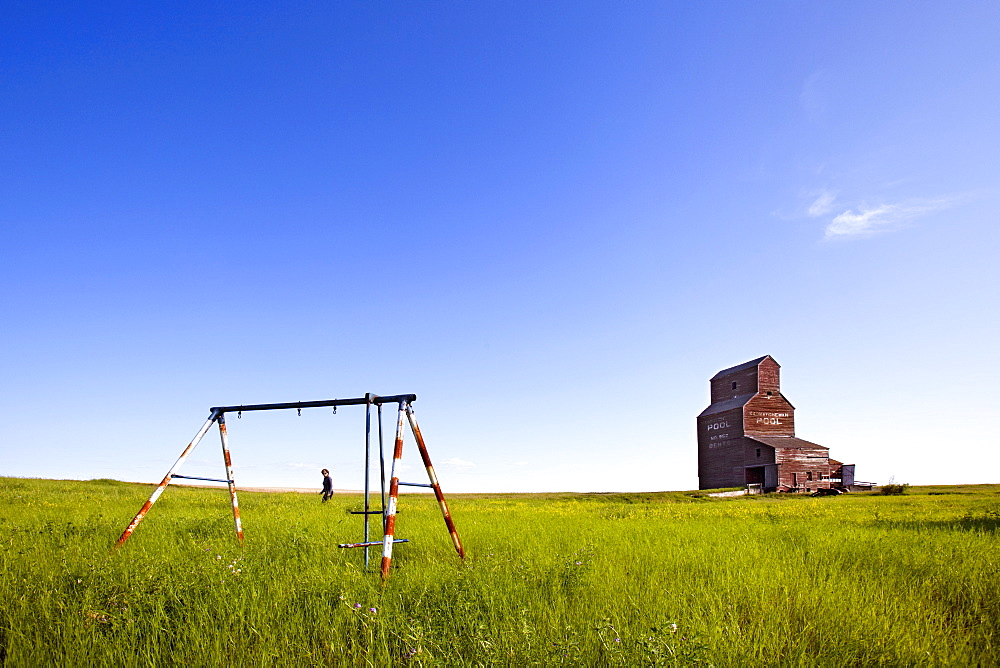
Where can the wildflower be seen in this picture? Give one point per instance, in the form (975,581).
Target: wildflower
(218,556)
(673,628)
(579,563)
(373,610)
(357,606)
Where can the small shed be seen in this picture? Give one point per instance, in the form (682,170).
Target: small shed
(746,437)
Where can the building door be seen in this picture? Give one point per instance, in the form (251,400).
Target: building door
(755,475)
(771,476)
(847,475)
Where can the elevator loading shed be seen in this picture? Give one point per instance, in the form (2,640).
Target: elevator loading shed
(746,437)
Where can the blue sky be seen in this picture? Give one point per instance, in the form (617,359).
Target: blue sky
(553,222)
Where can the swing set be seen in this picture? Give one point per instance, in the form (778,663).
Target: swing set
(388,509)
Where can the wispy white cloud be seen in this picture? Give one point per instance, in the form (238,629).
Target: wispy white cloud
(822,205)
(869,220)
(459,463)
(865,221)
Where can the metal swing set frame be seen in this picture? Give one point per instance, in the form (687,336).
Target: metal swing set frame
(387,511)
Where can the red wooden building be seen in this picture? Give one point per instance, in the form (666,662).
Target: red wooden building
(747,437)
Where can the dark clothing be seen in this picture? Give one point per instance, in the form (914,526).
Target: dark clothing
(327,487)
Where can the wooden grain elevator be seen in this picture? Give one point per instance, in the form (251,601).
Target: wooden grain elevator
(746,437)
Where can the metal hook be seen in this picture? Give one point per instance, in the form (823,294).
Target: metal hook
(239,415)
(300,411)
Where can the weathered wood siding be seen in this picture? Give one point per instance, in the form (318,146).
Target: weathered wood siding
(769,416)
(768,376)
(720,449)
(722,466)
(803,468)
(746,383)
(757,454)
(721,426)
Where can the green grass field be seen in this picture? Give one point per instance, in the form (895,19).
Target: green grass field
(556,579)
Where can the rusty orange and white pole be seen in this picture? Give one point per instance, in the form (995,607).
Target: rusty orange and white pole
(166,479)
(434,481)
(390,513)
(224,435)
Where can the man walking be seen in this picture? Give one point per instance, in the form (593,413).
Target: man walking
(327,485)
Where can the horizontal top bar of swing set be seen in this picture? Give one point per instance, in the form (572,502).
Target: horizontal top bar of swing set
(360,401)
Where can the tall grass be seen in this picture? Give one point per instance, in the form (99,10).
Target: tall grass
(641,579)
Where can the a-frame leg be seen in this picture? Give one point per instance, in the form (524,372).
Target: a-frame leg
(166,480)
(390,513)
(432,477)
(224,435)
(390,519)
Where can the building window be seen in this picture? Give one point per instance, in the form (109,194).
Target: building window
(734,385)
(769,394)
(809,475)
(758,452)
